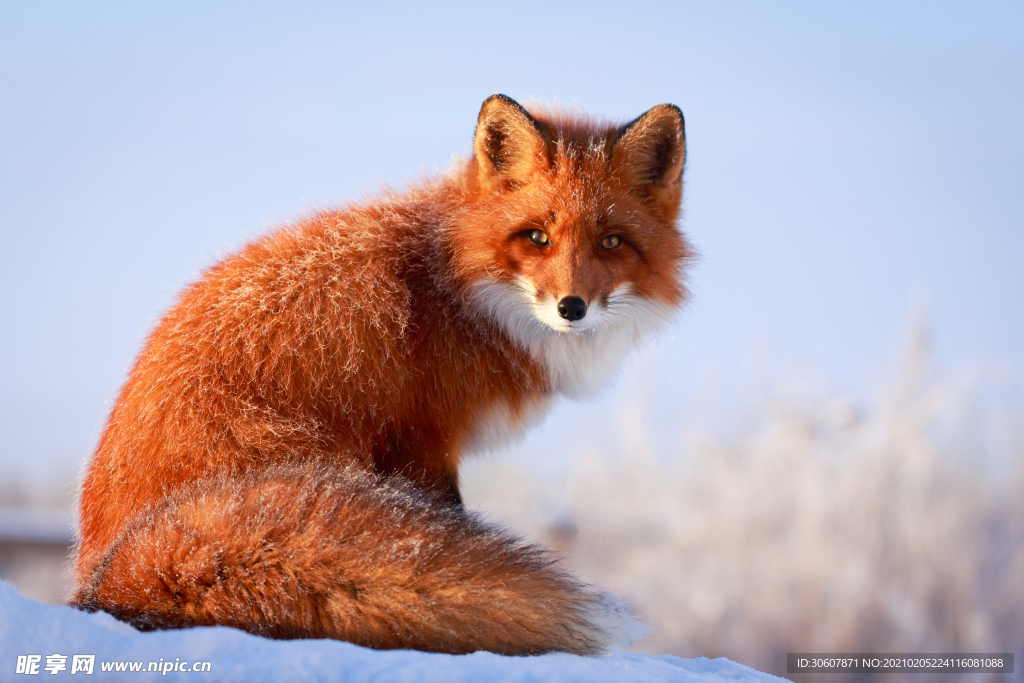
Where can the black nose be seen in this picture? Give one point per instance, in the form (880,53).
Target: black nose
(572,308)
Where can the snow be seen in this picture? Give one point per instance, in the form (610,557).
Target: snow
(28,627)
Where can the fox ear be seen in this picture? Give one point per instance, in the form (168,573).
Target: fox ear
(509,145)
(650,152)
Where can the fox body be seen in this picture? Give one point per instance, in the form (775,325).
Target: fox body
(284,455)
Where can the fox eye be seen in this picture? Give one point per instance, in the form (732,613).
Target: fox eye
(539,237)
(611,242)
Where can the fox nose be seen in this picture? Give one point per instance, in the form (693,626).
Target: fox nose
(572,308)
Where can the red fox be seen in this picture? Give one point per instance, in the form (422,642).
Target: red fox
(284,455)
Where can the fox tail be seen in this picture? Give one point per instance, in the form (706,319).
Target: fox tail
(327,551)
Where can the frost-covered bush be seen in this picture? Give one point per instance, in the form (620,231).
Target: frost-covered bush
(817,528)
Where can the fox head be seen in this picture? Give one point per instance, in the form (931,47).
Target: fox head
(572,227)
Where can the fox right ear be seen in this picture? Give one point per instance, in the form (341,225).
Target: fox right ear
(650,152)
(509,145)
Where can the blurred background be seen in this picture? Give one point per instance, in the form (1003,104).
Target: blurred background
(824,453)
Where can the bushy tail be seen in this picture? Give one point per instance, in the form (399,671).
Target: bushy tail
(319,551)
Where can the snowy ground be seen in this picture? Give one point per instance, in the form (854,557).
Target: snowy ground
(28,627)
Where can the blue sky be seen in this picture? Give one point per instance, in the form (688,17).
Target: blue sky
(845,161)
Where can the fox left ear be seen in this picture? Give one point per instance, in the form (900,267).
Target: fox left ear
(650,152)
(509,145)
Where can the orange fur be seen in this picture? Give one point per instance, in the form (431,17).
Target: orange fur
(284,455)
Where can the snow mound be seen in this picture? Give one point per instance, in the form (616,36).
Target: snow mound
(28,627)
